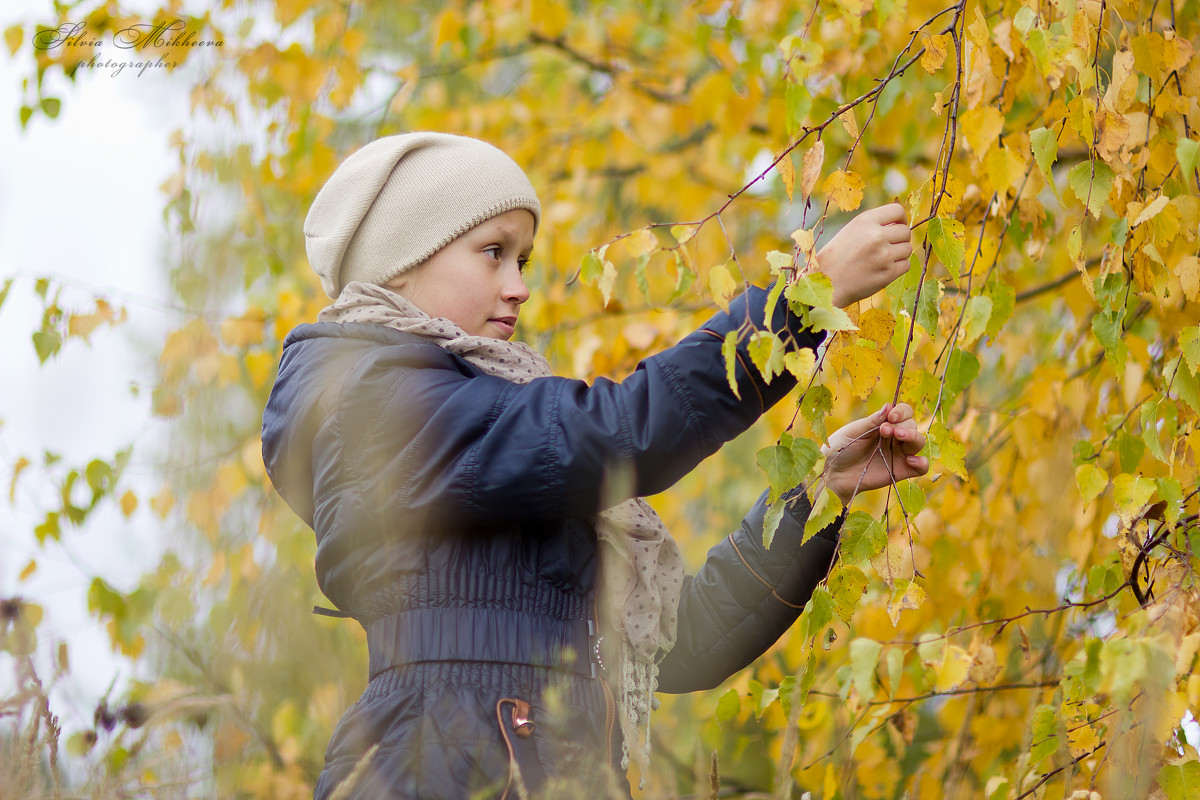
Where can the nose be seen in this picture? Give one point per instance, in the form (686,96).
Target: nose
(515,290)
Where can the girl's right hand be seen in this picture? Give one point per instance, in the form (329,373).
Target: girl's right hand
(866,255)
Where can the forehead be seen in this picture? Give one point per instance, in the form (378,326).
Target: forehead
(516,224)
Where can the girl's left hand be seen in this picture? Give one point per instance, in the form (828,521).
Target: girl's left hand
(871,452)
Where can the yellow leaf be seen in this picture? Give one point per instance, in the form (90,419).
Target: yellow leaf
(722,285)
(13,37)
(163,502)
(245,330)
(550,17)
(259,364)
(953,669)
(607,279)
(18,468)
(810,169)
(641,243)
(787,171)
(684,233)
(878,325)
(448,28)
(1123,87)
(1188,272)
(1114,130)
(845,189)
(850,124)
(129,503)
(1157,205)
(981,127)
(1082,740)
(865,367)
(829,784)
(804,241)
(801,363)
(936,48)
(906,595)
(29,569)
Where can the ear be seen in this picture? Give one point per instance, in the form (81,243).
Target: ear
(400,284)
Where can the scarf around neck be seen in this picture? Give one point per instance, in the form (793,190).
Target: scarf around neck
(640,564)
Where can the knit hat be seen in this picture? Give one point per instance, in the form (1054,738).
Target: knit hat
(398,200)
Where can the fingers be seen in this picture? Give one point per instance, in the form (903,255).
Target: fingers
(889,214)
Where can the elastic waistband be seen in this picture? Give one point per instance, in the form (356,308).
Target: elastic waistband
(481,635)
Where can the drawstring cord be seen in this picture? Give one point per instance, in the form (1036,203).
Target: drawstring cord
(523,726)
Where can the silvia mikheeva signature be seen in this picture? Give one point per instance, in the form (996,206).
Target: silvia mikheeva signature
(139,36)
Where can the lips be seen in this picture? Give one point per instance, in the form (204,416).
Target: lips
(506,324)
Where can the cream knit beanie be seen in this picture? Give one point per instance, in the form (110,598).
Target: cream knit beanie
(398,200)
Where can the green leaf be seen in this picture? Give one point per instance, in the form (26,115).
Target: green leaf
(816,403)
(1131,492)
(1189,344)
(1183,383)
(766,352)
(591,268)
(4,292)
(798,103)
(728,706)
(99,476)
(103,600)
(729,353)
(1044,742)
(895,668)
(1025,19)
(49,529)
(864,656)
(847,586)
(863,538)
(1181,781)
(975,318)
(819,611)
(1130,450)
(912,497)
(1004,300)
(1091,181)
(961,369)
(1044,144)
(25,115)
(827,319)
(805,453)
(777,461)
(771,521)
(1091,481)
(761,697)
(1188,153)
(814,290)
(51,106)
(825,510)
(1107,328)
(946,236)
(46,342)
(946,449)
(684,277)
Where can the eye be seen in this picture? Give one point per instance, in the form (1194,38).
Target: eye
(493,251)
(523,263)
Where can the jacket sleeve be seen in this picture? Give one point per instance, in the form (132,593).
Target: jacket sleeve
(745,597)
(481,450)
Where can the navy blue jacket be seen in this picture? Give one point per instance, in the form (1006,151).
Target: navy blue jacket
(452,513)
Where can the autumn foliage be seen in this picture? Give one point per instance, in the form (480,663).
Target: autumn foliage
(1021,624)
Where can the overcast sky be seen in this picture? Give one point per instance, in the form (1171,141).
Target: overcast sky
(80,203)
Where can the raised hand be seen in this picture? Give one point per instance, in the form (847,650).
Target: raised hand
(871,452)
(866,255)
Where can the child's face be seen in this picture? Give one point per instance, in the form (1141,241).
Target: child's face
(475,281)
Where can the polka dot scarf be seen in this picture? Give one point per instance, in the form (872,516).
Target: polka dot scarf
(641,567)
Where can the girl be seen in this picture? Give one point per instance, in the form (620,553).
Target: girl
(479,516)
